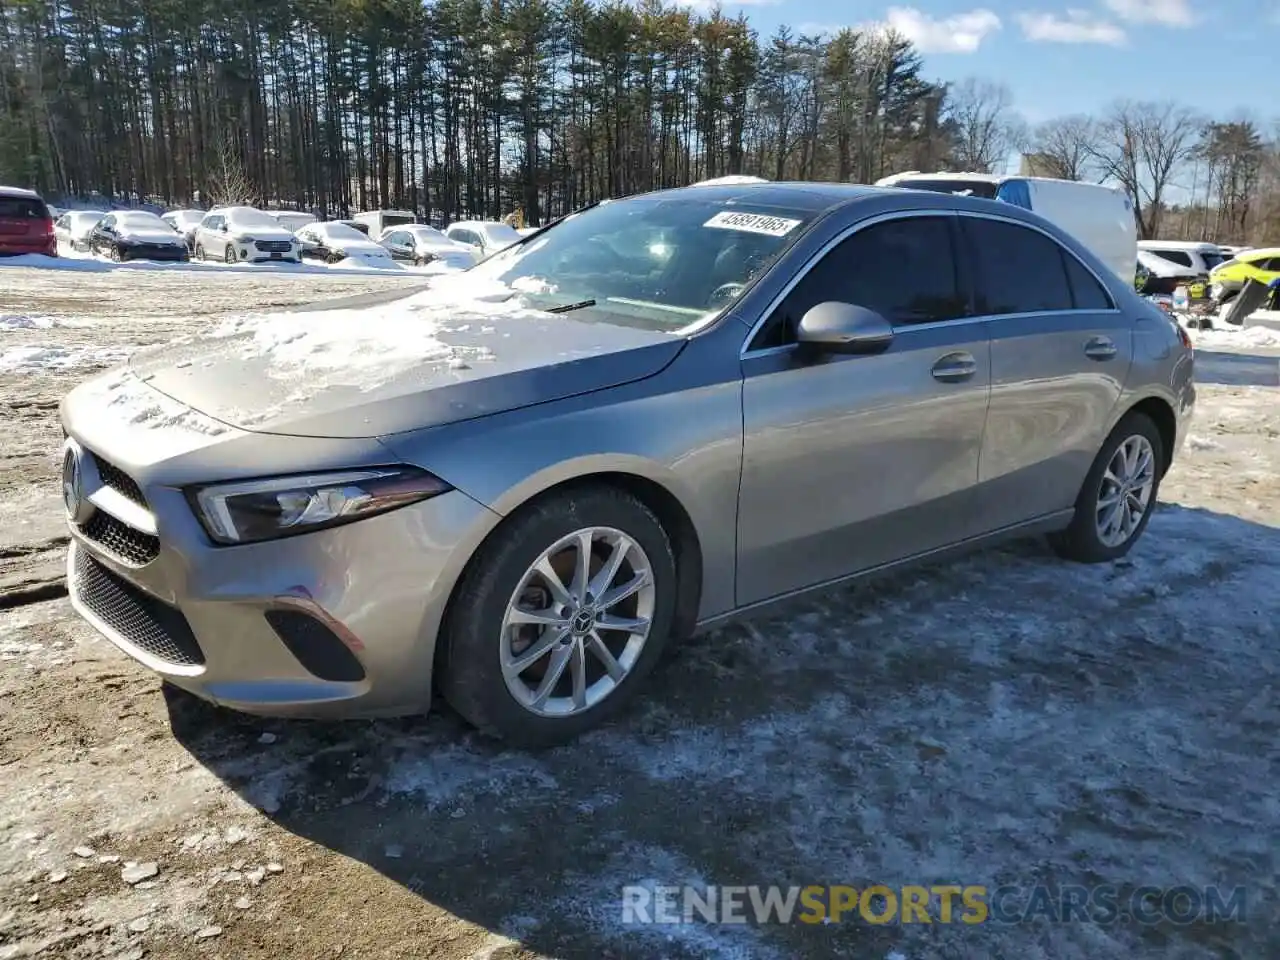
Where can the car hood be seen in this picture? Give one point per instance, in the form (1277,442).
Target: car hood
(361,248)
(427,360)
(259,233)
(149,235)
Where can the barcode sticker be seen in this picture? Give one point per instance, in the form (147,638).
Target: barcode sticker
(752,223)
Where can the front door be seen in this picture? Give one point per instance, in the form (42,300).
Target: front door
(854,461)
(1060,354)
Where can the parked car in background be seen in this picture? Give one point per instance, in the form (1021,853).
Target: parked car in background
(1229,251)
(484,237)
(136,235)
(1100,217)
(74,226)
(293,220)
(185,223)
(527,231)
(1229,277)
(788,386)
(420,244)
(26,225)
(354,225)
(1196,256)
(244,235)
(378,220)
(333,242)
(1162,276)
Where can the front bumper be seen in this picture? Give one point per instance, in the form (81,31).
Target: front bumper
(337,623)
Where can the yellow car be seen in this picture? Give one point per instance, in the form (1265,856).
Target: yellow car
(1229,277)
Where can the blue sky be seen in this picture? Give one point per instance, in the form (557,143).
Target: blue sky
(1076,56)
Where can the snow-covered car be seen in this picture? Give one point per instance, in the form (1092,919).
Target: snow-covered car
(74,226)
(185,222)
(136,235)
(293,220)
(244,235)
(333,242)
(527,231)
(420,244)
(485,237)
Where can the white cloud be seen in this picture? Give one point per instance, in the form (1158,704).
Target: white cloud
(1076,26)
(1171,13)
(962,33)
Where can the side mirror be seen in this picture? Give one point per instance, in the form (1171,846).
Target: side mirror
(834,327)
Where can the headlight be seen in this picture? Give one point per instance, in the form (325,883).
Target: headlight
(240,238)
(253,510)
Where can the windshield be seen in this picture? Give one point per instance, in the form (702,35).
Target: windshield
(252,218)
(142,221)
(959,185)
(431,235)
(340,231)
(661,262)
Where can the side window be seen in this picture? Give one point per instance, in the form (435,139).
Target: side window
(904,269)
(1019,270)
(1271,263)
(1086,292)
(1180,257)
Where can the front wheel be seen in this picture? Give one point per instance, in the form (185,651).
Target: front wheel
(560,617)
(229,255)
(1118,496)
(117,254)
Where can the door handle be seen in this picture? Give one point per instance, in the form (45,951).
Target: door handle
(955,367)
(1100,348)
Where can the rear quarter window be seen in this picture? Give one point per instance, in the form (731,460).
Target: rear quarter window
(22,208)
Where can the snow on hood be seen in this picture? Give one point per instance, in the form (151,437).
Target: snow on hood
(431,358)
(361,248)
(150,235)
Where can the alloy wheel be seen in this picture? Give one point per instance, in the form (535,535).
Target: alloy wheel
(577,622)
(1124,494)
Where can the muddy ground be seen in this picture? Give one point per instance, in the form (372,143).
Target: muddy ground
(1002,719)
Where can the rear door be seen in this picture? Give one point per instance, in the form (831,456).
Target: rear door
(1060,354)
(854,461)
(23,220)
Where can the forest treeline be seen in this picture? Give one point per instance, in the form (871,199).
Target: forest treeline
(459,108)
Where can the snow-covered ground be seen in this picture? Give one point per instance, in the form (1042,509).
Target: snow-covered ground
(1006,718)
(82,262)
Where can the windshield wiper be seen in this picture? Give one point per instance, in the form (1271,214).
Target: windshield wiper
(569,307)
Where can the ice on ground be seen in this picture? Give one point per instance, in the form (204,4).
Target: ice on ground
(41,358)
(86,262)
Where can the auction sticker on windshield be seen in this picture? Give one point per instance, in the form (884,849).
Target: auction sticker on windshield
(753,223)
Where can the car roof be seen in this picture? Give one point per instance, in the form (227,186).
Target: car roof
(19,192)
(1257,253)
(1177,245)
(476,224)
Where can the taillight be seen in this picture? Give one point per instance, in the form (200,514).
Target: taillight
(47,223)
(1184,337)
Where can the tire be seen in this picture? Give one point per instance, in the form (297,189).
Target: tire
(117,254)
(469,663)
(1083,541)
(229,256)
(199,251)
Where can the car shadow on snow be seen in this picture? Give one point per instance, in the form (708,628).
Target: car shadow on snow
(1001,718)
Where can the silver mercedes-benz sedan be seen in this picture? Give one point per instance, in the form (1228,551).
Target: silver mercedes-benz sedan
(520,485)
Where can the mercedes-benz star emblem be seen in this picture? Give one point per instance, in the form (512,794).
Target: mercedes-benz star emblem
(79,509)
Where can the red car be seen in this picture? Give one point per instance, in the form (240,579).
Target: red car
(25,223)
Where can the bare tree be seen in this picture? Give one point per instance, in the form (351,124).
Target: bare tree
(1143,146)
(984,126)
(228,183)
(1064,147)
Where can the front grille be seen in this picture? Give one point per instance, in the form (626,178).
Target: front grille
(119,481)
(147,623)
(121,540)
(273,246)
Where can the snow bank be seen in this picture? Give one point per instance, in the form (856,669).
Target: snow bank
(40,358)
(1236,337)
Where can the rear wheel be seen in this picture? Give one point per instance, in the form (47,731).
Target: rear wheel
(1118,495)
(560,617)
